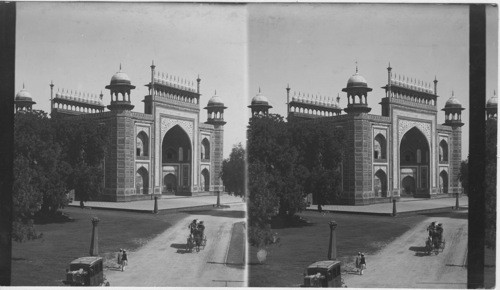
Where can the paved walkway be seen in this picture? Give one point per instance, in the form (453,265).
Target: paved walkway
(405,206)
(166,204)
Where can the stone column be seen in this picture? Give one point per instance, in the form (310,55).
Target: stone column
(332,249)
(94,242)
(218,198)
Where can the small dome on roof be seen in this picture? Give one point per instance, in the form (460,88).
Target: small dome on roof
(120,78)
(453,102)
(492,102)
(356,80)
(215,101)
(23,95)
(260,99)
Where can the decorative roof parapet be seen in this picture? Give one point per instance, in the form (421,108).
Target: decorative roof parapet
(79,97)
(174,82)
(412,84)
(315,100)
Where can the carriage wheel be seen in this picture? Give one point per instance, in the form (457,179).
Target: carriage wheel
(204,242)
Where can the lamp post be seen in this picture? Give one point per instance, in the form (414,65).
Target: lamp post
(394,210)
(94,242)
(155,210)
(332,249)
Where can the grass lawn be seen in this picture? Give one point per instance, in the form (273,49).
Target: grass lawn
(43,262)
(236,252)
(301,246)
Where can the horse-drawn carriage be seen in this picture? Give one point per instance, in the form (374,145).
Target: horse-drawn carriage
(435,242)
(196,239)
(197,242)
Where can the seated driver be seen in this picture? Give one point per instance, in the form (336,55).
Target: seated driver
(431,228)
(193,225)
(201,228)
(439,232)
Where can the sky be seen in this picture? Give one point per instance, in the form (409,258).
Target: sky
(314,48)
(237,49)
(79,46)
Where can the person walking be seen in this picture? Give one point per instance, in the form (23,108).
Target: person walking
(358,260)
(362,263)
(119,259)
(124,260)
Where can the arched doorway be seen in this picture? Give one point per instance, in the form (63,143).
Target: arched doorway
(408,186)
(205,177)
(177,152)
(170,183)
(443,182)
(141,181)
(414,156)
(380,183)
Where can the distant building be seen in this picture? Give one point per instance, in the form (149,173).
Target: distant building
(165,150)
(402,153)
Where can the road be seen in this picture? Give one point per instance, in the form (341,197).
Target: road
(402,263)
(164,262)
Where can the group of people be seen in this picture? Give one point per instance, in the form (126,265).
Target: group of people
(435,230)
(197,228)
(360,263)
(122,259)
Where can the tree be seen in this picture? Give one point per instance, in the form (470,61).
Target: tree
(262,204)
(51,157)
(85,144)
(270,143)
(40,174)
(321,148)
(233,171)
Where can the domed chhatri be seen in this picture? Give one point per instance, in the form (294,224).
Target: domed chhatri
(260,99)
(493,101)
(120,78)
(23,100)
(120,87)
(260,105)
(23,95)
(357,94)
(356,80)
(215,110)
(453,102)
(215,101)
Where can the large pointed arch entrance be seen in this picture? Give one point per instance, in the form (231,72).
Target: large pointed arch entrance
(176,157)
(414,160)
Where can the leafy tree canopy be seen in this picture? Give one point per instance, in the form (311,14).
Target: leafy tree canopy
(285,162)
(51,157)
(233,171)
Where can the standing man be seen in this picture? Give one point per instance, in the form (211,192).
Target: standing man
(362,263)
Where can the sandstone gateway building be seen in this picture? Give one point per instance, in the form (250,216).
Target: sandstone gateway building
(402,153)
(165,150)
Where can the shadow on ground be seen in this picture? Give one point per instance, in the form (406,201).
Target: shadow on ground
(219,213)
(419,251)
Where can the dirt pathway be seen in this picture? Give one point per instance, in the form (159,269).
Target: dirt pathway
(402,263)
(164,262)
